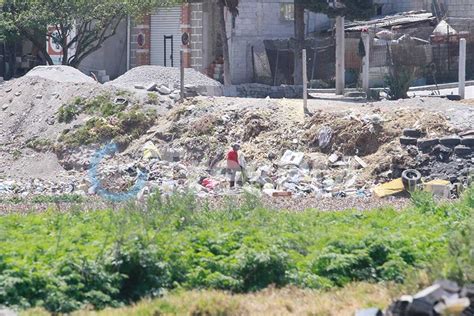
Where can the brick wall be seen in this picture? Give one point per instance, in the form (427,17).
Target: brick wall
(140,55)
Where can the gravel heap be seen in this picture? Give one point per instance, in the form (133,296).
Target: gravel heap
(60,74)
(144,75)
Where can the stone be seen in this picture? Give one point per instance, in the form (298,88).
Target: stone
(427,144)
(462,150)
(324,137)
(412,132)
(333,158)
(468,141)
(151,87)
(39,96)
(408,140)
(164,90)
(139,87)
(5,106)
(450,141)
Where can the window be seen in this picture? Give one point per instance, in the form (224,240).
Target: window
(287,11)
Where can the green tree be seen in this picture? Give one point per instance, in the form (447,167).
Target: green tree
(80,24)
(351,9)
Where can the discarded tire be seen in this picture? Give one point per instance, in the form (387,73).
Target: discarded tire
(462,150)
(411,178)
(468,141)
(412,132)
(408,141)
(451,141)
(427,144)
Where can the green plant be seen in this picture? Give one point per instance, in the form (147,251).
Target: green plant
(40,144)
(152,98)
(64,261)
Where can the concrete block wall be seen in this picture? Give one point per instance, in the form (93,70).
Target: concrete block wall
(394,6)
(459,8)
(196,49)
(258,20)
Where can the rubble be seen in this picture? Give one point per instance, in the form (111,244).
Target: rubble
(442,298)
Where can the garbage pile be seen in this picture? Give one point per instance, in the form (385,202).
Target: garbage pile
(449,158)
(442,298)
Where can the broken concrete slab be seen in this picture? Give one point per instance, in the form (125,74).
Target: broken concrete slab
(291,158)
(408,141)
(151,87)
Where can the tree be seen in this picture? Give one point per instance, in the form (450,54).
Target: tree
(80,24)
(352,9)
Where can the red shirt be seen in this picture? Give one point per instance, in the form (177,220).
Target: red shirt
(233,156)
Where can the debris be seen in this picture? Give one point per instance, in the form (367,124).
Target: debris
(412,132)
(150,151)
(411,178)
(139,86)
(333,158)
(5,106)
(151,87)
(390,188)
(291,158)
(462,150)
(408,141)
(164,90)
(442,298)
(427,144)
(369,312)
(120,101)
(361,162)
(440,188)
(325,136)
(468,141)
(450,141)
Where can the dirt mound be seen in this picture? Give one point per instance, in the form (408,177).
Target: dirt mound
(60,74)
(169,76)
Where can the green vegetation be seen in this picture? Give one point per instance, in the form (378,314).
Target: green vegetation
(65,261)
(152,98)
(45,199)
(101,105)
(40,144)
(122,127)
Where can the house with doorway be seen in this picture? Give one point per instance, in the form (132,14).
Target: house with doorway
(156,39)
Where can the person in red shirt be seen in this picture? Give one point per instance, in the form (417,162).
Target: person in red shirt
(233,163)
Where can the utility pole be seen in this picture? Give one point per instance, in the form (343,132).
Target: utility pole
(305,83)
(366,62)
(340,56)
(462,68)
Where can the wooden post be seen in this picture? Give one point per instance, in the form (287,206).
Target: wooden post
(462,68)
(305,83)
(340,56)
(366,62)
(181,57)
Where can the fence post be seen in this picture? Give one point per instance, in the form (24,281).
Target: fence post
(181,74)
(305,82)
(366,63)
(462,68)
(340,54)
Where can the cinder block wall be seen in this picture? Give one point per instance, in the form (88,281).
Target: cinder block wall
(258,20)
(459,8)
(394,6)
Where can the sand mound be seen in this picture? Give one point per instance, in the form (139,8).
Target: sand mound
(60,74)
(145,75)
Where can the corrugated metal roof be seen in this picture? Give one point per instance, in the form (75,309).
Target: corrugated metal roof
(391,20)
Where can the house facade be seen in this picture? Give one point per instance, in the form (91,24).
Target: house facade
(156,39)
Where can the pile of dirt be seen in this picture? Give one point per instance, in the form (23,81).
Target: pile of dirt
(168,76)
(60,74)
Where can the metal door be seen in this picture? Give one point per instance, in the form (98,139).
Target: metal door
(164,37)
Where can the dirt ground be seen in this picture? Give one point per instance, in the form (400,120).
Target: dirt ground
(203,128)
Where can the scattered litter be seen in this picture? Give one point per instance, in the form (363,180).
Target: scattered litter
(150,151)
(390,188)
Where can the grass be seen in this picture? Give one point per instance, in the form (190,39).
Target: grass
(271,301)
(107,258)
